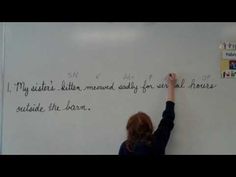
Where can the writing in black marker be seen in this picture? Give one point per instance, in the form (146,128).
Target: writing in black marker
(30,108)
(53,107)
(21,86)
(100,87)
(195,85)
(73,107)
(42,87)
(162,85)
(129,85)
(146,86)
(69,86)
(181,85)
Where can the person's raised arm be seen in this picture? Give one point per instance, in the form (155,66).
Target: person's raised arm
(171,81)
(166,124)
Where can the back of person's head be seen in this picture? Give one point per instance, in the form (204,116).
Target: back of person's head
(139,130)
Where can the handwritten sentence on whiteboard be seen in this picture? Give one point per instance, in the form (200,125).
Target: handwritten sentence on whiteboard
(112,86)
(127,85)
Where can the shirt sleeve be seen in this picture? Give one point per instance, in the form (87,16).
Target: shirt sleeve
(162,134)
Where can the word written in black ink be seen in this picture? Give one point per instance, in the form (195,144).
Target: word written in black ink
(21,86)
(181,85)
(30,108)
(73,107)
(146,86)
(177,85)
(195,85)
(100,87)
(69,86)
(42,87)
(129,85)
(53,107)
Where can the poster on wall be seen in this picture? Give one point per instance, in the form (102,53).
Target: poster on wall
(228,60)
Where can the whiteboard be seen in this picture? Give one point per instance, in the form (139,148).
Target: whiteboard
(1,81)
(86,64)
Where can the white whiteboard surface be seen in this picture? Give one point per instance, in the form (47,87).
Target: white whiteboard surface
(103,53)
(1,81)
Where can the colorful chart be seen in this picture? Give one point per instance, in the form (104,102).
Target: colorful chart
(228,60)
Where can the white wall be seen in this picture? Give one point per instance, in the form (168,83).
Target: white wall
(205,119)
